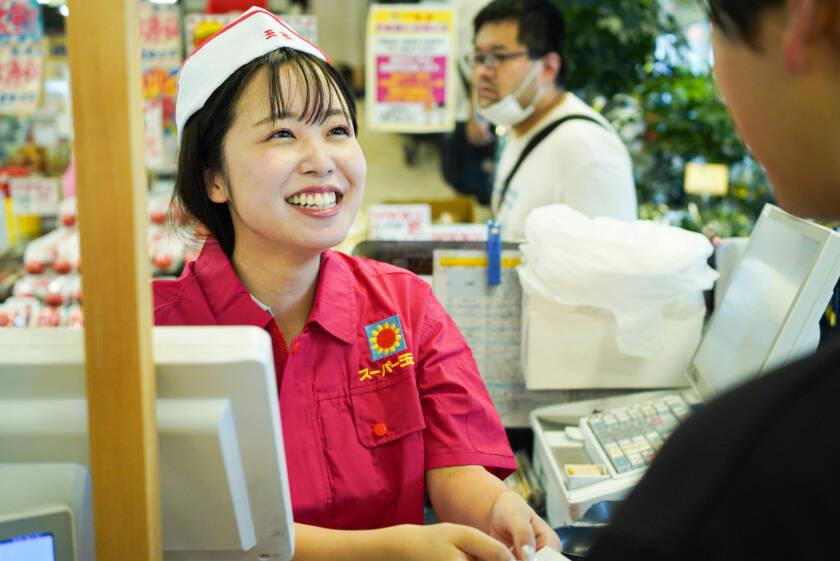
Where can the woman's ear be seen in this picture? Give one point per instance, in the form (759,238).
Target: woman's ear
(217,186)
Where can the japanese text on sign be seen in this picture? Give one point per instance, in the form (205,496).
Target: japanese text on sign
(21,67)
(20,20)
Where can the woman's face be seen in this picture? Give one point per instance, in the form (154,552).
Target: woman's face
(288,183)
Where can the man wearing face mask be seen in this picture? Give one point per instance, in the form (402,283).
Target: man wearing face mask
(558,150)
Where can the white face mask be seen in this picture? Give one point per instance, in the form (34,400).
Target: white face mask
(507,111)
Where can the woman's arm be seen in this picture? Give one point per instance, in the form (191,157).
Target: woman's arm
(473,496)
(439,542)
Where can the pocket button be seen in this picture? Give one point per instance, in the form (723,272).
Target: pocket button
(380,429)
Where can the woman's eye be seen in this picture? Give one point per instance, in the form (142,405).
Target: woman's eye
(340,130)
(281,134)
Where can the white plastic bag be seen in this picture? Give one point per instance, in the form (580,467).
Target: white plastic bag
(632,269)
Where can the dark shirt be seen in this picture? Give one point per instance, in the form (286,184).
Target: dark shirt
(752,475)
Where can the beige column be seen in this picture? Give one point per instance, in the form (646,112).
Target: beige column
(104,53)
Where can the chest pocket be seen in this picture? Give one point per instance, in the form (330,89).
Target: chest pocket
(386,413)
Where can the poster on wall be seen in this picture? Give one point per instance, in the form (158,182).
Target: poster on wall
(411,70)
(161,55)
(160,35)
(21,69)
(200,27)
(20,20)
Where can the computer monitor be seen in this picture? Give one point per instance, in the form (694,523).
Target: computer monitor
(223,482)
(45,513)
(771,310)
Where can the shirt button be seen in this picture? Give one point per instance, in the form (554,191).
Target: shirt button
(295,347)
(379,429)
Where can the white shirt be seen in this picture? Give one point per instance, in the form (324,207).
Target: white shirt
(580,164)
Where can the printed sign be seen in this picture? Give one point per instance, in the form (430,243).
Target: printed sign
(200,27)
(411,81)
(21,68)
(160,36)
(399,222)
(34,195)
(20,20)
(153,117)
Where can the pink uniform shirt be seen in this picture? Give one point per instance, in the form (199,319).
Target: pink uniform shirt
(378,388)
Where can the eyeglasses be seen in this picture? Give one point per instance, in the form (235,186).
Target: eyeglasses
(491,60)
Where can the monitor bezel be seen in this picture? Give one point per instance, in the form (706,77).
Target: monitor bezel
(811,230)
(57,521)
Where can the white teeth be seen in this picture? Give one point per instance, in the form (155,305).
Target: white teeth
(318,201)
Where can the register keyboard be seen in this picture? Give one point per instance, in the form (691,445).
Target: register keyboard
(626,439)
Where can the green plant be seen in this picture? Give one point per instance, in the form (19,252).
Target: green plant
(667,113)
(611,43)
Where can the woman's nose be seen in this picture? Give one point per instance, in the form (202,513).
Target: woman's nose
(317,159)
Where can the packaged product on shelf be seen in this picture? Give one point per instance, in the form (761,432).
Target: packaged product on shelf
(158,206)
(50,316)
(18,312)
(41,253)
(166,249)
(67,211)
(63,290)
(75,318)
(67,254)
(32,286)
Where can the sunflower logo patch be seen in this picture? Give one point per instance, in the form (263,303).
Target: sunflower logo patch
(385,338)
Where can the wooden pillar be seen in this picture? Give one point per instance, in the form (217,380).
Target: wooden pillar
(104,52)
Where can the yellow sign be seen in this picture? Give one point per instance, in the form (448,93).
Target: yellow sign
(706,179)
(410,68)
(507,262)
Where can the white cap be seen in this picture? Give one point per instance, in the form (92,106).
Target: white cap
(251,35)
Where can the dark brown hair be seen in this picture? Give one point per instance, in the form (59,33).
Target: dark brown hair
(202,140)
(739,19)
(542,27)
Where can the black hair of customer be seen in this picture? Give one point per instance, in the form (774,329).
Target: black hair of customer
(542,27)
(739,19)
(202,140)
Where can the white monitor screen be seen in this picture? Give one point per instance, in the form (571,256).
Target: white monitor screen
(34,547)
(759,298)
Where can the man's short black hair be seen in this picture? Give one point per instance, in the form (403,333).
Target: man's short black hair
(542,28)
(739,19)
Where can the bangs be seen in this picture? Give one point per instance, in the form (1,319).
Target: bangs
(322,87)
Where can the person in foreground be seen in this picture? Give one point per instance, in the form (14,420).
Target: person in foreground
(380,397)
(753,475)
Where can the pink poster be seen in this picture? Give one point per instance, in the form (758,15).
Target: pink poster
(411,79)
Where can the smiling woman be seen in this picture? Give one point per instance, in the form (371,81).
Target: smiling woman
(257,109)
(381,399)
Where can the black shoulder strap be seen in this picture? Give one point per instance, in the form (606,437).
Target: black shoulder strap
(464,80)
(535,140)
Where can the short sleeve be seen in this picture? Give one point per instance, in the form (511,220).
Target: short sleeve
(462,425)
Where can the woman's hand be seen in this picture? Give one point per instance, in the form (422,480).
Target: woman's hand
(444,542)
(514,522)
